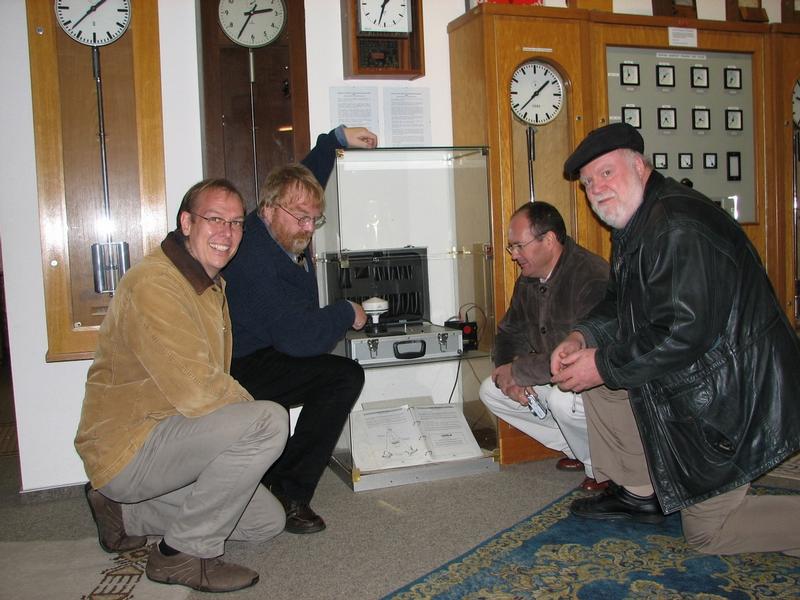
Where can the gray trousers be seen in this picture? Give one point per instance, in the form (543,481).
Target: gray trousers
(729,523)
(196,481)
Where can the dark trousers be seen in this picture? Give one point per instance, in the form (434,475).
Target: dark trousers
(327,386)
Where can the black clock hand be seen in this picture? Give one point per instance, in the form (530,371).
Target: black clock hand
(536,93)
(87,13)
(249,14)
(263,10)
(383,7)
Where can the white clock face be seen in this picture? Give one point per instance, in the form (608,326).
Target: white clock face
(252,23)
(93,22)
(796,103)
(536,93)
(384,16)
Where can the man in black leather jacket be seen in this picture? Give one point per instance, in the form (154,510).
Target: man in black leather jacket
(690,325)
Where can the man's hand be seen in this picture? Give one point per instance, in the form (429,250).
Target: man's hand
(504,380)
(578,371)
(571,344)
(361,317)
(360,137)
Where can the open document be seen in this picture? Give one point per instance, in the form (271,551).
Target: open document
(410,435)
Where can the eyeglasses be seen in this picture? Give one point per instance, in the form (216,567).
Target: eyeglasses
(519,246)
(219,222)
(317,222)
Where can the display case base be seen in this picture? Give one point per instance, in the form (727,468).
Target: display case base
(361,482)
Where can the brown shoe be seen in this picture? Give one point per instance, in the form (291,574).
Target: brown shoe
(300,517)
(203,574)
(569,464)
(107,515)
(592,485)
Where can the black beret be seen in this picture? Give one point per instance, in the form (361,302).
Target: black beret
(599,142)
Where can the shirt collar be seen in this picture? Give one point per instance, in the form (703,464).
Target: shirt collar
(174,247)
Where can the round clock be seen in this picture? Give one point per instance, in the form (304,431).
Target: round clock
(796,103)
(536,93)
(384,16)
(252,23)
(93,22)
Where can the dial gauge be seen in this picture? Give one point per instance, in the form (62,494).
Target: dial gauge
(665,75)
(629,74)
(252,23)
(536,93)
(667,118)
(93,22)
(733,78)
(699,77)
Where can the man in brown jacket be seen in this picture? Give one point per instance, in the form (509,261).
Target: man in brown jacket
(172,444)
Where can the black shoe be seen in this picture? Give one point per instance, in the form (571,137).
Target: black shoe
(300,518)
(615,502)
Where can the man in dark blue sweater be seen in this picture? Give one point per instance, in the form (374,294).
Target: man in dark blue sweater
(282,337)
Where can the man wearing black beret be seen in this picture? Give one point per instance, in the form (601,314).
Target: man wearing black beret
(691,327)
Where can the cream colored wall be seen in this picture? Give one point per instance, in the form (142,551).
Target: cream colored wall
(48,396)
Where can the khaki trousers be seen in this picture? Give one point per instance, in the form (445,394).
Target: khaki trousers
(729,523)
(196,481)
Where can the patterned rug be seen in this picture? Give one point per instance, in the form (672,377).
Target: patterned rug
(551,555)
(77,570)
(789,469)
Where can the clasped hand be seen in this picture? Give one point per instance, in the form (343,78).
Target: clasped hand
(573,365)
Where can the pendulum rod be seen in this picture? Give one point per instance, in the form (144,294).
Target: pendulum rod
(531,135)
(796,215)
(102,135)
(110,260)
(253,128)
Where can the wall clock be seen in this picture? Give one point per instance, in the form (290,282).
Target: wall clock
(252,23)
(536,93)
(382,39)
(93,23)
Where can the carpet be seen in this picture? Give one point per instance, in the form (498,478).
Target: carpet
(551,555)
(789,469)
(77,570)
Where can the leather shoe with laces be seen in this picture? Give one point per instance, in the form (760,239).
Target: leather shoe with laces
(300,517)
(107,516)
(569,464)
(203,574)
(615,502)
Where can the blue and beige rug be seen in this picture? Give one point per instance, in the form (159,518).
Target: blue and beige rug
(552,555)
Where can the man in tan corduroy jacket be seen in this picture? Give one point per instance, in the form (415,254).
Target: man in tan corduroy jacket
(172,444)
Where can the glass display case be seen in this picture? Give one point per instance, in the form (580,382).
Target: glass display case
(411,227)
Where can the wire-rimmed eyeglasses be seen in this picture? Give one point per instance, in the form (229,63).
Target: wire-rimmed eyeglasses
(519,246)
(219,222)
(317,222)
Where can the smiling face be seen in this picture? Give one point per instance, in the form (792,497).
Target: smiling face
(536,255)
(212,245)
(614,184)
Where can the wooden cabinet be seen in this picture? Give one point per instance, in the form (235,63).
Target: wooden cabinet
(489,42)
(68,163)
(785,50)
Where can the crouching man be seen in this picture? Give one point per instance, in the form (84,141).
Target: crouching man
(172,444)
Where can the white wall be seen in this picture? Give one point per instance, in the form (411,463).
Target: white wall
(48,396)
